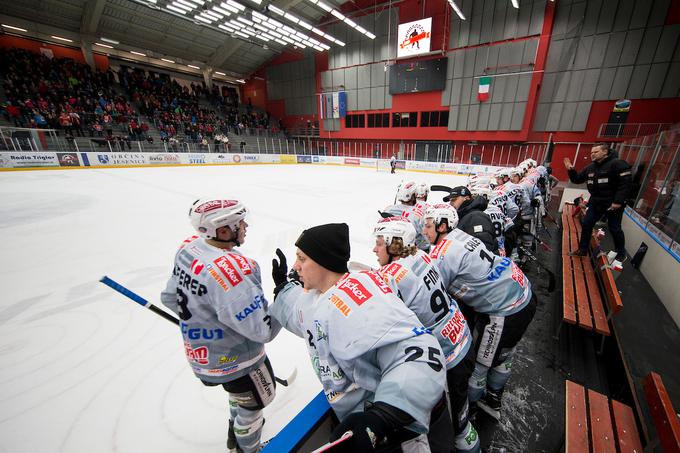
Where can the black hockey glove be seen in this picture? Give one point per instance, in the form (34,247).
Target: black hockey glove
(535,203)
(368,431)
(279,271)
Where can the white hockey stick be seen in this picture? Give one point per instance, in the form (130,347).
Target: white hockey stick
(329,446)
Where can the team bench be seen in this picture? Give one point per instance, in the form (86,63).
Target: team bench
(583,297)
(595,423)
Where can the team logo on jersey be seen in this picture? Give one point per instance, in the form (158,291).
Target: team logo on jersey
(242,263)
(199,355)
(440,249)
(355,290)
(255,305)
(197,267)
(216,277)
(496,272)
(454,328)
(320,334)
(517,274)
(379,282)
(228,270)
(395,270)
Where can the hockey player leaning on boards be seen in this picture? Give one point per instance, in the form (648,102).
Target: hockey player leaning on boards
(500,294)
(419,285)
(409,207)
(472,218)
(217,294)
(382,374)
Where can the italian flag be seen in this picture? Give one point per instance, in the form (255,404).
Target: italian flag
(484,84)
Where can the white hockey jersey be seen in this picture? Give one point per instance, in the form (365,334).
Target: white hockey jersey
(420,286)
(416,215)
(224,316)
(365,345)
(476,277)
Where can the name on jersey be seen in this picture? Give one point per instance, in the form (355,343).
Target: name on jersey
(431,278)
(355,290)
(440,249)
(255,305)
(454,328)
(379,282)
(228,270)
(496,272)
(340,305)
(185,280)
(196,333)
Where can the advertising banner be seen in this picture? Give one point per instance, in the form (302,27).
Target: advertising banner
(352,161)
(106,159)
(68,160)
(164,159)
(304,159)
(288,159)
(29,159)
(414,38)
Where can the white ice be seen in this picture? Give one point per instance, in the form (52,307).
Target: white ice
(82,368)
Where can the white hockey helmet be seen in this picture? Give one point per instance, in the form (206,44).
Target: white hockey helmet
(442,211)
(406,191)
(396,227)
(422,190)
(484,191)
(503,173)
(207,215)
(516,171)
(531,162)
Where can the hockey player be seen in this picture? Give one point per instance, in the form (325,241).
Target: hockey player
(418,284)
(422,192)
(472,218)
(500,294)
(224,319)
(409,207)
(499,220)
(382,374)
(393,163)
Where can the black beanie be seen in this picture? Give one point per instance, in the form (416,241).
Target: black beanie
(327,244)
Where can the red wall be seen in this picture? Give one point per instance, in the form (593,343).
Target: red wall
(8,42)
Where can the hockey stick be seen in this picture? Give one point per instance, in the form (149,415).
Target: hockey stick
(330,445)
(167,316)
(440,188)
(551,275)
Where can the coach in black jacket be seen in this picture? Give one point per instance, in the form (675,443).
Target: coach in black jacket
(609,181)
(471,216)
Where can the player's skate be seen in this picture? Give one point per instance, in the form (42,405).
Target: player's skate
(491,404)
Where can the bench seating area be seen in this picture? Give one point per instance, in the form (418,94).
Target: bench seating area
(583,304)
(595,423)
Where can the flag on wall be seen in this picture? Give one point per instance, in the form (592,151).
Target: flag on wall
(484,84)
(333,105)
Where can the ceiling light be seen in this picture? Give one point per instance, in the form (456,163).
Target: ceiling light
(103,45)
(236,5)
(292,18)
(257,2)
(273,33)
(515,3)
(184,4)
(317,31)
(259,15)
(276,22)
(219,73)
(456,9)
(350,22)
(221,11)
(290,30)
(338,14)
(227,28)
(138,53)
(340,43)
(320,49)
(244,20)
(324,6)
(370,35)
(198,2)
(314,1)
(217,16)
(240,81)
(62,39)
(361,29)
(263,38)
(229,7)
(192,66)
(304,24)
(168,60)
(280,41)
(243,35)
(324,46)
(176,9)
(11,27)
(261,27)
(276,10)
(203,19)
(110,41)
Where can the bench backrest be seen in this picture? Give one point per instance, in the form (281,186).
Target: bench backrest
(611,291)
(663,415)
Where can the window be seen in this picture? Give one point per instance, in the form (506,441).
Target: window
(434,119)
(405,119)
(378,120)
(355,120)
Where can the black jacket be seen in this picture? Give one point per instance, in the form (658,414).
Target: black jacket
(608,181)
(473,220)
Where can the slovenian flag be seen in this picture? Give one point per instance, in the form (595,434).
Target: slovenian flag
(484,84)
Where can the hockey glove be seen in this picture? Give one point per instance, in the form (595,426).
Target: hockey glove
(279,271)
(369,430)
(535,202)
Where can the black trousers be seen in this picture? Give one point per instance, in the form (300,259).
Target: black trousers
(594,213)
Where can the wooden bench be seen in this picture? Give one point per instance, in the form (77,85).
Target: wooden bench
(583,305)
(595,423)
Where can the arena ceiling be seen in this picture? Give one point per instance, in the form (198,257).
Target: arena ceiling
(155,29)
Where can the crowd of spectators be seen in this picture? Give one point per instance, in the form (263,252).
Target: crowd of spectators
(59,93)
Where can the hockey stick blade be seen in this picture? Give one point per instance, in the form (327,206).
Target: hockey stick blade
(331,445)
(440,188)
(289,380)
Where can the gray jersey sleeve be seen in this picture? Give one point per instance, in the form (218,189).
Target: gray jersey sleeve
(287,307)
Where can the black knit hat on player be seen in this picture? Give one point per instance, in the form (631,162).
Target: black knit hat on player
(459,191)
(328,245)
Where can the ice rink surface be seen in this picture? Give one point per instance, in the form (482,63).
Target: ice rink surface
(82,368)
